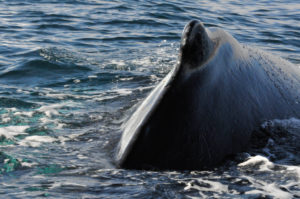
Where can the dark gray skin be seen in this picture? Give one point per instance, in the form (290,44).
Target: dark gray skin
(208,106)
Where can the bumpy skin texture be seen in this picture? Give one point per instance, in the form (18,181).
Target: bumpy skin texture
(208,106)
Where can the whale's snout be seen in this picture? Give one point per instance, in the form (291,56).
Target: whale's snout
(190,32)
(196,45)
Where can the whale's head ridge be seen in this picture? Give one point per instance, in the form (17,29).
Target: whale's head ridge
(196,45)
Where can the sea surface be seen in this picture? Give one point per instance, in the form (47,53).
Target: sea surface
(73,71)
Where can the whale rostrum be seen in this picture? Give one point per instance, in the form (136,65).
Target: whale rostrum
(196,46)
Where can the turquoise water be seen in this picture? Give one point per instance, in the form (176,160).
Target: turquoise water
(72,71)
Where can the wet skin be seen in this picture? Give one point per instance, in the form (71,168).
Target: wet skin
(207,107)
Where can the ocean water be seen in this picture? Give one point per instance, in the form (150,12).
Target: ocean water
(72,71)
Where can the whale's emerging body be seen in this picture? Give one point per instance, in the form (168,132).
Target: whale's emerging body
(207,107)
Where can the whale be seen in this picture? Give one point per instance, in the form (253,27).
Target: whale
(208,106)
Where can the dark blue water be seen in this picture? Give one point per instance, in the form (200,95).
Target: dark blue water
(72,71)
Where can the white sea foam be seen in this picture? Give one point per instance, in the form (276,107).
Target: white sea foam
(118,62)
(80,156)
(23,91)
(11,109)
(11,131)
(36,141)
(57,95)
(260,166)
(45,121)
(285,123)
(123,91)
(28,164)
(262,162)
(270,189)
(24,113)
(92,76)
(126,79)
(203,186)
(66,95)
(101,98)
(295,170)
(112,94)
(154,77)
(5,119)
(145,61)
(52,109)
(76,81)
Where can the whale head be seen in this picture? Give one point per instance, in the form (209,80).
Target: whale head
(172,128)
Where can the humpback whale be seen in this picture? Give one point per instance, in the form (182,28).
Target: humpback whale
(208,106)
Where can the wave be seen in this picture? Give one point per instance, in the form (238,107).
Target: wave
(8,163)
(142,22)
(6,102)
(142,38)
(57,26)
(44,65)
(42,69)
